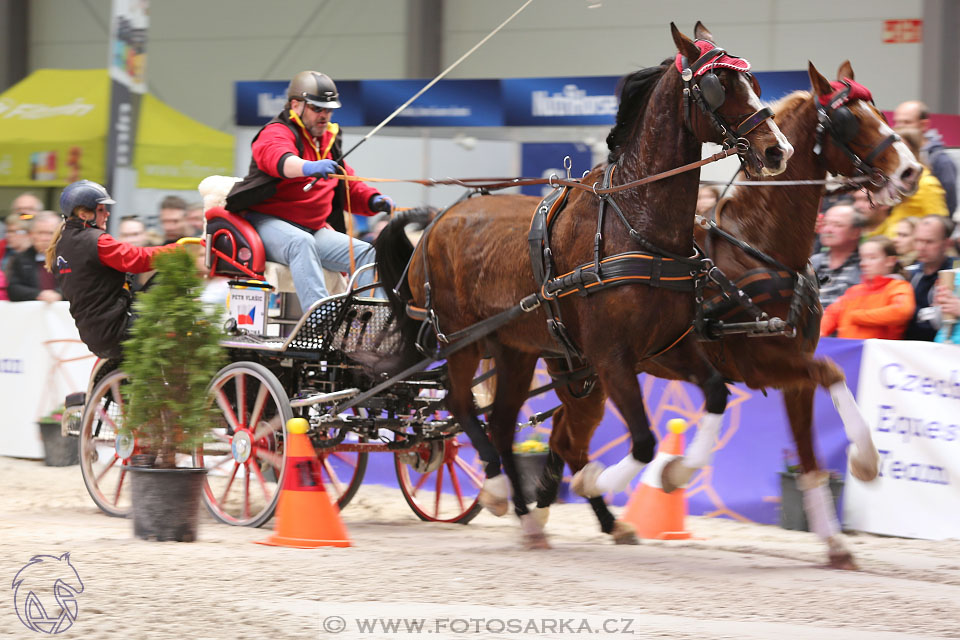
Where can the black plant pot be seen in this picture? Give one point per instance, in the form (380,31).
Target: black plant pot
(792,515)
(166,503)
(58,450)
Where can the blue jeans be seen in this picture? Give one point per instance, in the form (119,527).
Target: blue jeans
(306,253)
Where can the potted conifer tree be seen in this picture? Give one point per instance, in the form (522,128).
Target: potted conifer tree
(171,357)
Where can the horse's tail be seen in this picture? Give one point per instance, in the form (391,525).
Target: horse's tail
(394,251)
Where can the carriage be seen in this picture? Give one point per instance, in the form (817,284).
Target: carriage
(291,365)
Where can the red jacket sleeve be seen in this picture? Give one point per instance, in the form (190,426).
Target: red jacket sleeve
(831,317)
(126,257)
(274,143)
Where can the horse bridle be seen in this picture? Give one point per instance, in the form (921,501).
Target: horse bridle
(707,93)
(836,119)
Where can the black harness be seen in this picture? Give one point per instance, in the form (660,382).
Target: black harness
(708,94)
(836,119)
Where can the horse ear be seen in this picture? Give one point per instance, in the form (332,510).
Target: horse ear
(684,44)
(700,32)
(820,84)
(845,71)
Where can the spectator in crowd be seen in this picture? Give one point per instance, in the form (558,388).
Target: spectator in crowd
(91,267)
(295,225)
(881,305)
(173,210)
(875,216)
(26,277)
(903,241)
(707,198)
(949,304)
(929,198)
(16,240)
(838,265)
(26,204)
(931,239)
(375,226)
(132,231)
(193,221)
(915,114)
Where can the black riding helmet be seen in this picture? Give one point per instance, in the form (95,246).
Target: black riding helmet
(314,88)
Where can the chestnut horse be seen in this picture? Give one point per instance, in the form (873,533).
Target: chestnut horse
(476,260)
(778,221)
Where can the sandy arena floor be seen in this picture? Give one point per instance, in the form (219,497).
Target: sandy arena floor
(737,581)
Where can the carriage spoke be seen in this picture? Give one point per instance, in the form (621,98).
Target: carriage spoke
(105,417)
(116,495)
(107,468)
(266,428)
(117,396)
(224,403)
(240,382)
(470,472)
(439,492)
(246,493)
(419,484)
(456,483)
(263,482)
(226,492)
(332,474)
(258,405)
(274,459)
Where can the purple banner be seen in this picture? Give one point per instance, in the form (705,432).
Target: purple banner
(744,481)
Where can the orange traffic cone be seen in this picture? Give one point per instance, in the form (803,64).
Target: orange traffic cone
(305,516)
(656,514)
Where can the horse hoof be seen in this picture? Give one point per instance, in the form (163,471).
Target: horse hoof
(864,468)
(624,533)
(843,561)
(533,535)
(493,495)
(541,515)
(674,475)
(584,482)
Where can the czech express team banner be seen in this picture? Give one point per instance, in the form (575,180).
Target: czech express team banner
(581,101)
(910,395)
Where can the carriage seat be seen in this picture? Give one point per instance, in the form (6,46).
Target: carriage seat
(234,237)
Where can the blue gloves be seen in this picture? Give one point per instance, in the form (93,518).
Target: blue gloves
(381,203)
(320,168)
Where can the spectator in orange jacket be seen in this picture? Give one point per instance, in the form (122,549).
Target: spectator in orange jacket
(881,305)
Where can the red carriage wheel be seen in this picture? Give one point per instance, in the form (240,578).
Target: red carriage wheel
(245,454)
(104,452)
(343,470)
(441,481)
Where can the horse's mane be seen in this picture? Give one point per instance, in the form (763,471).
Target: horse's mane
(790,101)
(635,90)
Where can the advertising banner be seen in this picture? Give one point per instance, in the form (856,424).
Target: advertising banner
(516,102)
(910,395)
(449,103)
(260,101)
(127,63)
(41,361)
(543,159)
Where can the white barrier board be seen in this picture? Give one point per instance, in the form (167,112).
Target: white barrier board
(909,393)
(41,360)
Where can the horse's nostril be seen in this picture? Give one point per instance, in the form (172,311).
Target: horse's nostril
(907,176)
(774,155)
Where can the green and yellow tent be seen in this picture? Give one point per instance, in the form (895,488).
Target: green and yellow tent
(53,130)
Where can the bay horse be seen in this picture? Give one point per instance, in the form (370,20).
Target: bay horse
(473,262)
(854,139)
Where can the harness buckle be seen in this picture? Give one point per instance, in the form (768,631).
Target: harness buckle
(527,309)
(742,146)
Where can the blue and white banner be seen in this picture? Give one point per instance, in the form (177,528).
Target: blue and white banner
(449,103)
(566,101)
(258,102)
(909,393)
(541,159)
